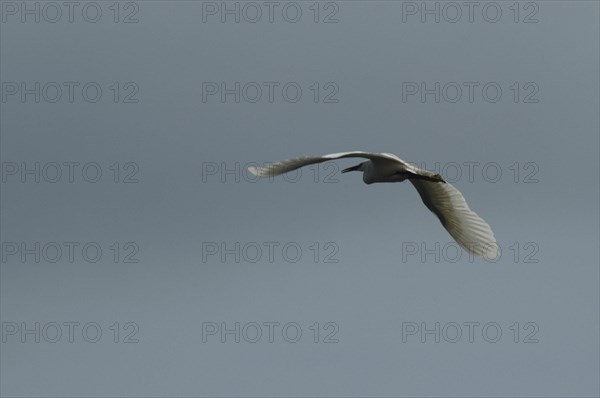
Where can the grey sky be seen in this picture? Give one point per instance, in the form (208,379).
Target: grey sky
(373,262)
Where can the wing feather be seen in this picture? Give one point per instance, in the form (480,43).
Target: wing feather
(469,230)
(284,166)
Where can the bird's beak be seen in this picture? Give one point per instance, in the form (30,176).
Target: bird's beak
(353,168)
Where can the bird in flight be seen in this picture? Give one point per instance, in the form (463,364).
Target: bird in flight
(469,230)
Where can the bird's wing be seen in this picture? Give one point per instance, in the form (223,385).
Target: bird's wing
(469,230)
(284,166)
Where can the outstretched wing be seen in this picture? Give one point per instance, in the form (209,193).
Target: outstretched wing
(284,166)
(469,230)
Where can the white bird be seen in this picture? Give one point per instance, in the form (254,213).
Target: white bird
(469,230)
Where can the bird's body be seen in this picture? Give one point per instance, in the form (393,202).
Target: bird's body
(469,230)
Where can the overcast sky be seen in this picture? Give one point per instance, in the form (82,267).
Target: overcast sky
(139,258)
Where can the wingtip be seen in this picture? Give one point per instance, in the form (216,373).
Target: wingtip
(487,252)
(491,252)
